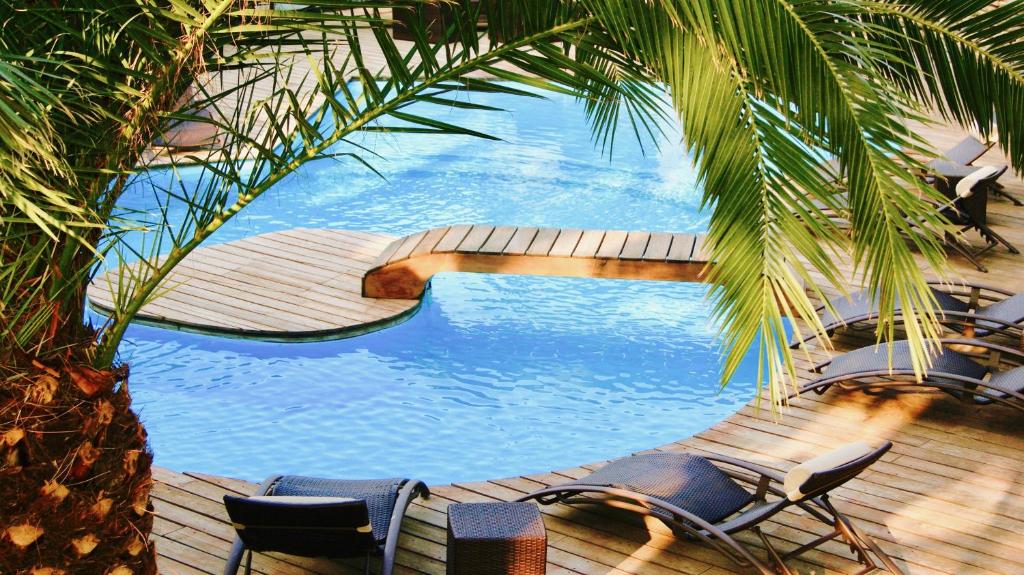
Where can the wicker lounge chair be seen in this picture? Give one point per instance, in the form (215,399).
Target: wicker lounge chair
(707,498)
(187,135)
(313,517)
(965,154)
(967,210)
(956,162)
(974,310)
(976,371)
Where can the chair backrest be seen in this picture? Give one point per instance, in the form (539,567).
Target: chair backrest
(968,150)
(965,187)
(826,472)
(305,526)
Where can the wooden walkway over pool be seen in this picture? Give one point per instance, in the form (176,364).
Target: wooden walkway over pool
(317,284)
(404,268)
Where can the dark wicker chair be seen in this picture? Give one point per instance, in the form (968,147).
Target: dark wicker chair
(964,154)
(978,372)
(967,210)
(313,517)
(975,310)
(708,499)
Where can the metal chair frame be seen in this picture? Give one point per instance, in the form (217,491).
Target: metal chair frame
(719,535)
(967,389)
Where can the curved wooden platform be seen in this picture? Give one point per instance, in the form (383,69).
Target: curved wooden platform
(291,285)
(407,264)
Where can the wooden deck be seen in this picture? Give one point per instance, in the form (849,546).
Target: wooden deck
(403,269)
(296,284)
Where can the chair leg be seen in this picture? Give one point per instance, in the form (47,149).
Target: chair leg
(870,544)
(779,563)
(958,246)
(999,190)
(992,237)
(235,557)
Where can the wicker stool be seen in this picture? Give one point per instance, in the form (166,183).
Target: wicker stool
(496,539)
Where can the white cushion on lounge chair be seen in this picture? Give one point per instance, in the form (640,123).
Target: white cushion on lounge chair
(799,475)
(965,187)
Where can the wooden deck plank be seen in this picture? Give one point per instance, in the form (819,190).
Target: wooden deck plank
(452,239)
(542,242)
(657,247)
(565,243)
(408,245)
(700,250)
(499,238)
(611,245)
(430,241)
(636,244)
(475,239)
(681,249)
(590,241)
(520,241)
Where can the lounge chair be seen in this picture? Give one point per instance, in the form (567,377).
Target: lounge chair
(965,154)
(313,517)
(956,161)
(967,209)
(188,135)
(976,371)
(975,310)
(710,498)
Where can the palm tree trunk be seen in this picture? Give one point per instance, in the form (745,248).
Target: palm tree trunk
(75,472)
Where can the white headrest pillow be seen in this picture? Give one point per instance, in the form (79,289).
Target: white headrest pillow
(965,187)
(799,475)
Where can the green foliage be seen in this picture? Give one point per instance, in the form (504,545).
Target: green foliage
(764,88)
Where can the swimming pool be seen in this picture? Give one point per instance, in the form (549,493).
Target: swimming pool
(495,375)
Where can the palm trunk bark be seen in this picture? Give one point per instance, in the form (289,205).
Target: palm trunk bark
(75,474)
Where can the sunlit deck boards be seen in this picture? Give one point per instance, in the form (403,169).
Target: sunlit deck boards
(283,285)
(407,264)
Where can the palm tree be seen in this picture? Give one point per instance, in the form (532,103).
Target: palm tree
(764,89)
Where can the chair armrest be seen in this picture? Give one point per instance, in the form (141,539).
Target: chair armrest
(984,344)
(409,491)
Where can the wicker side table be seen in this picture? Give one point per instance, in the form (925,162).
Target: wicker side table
(496,539)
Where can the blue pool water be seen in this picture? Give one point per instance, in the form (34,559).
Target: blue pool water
(495,375)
